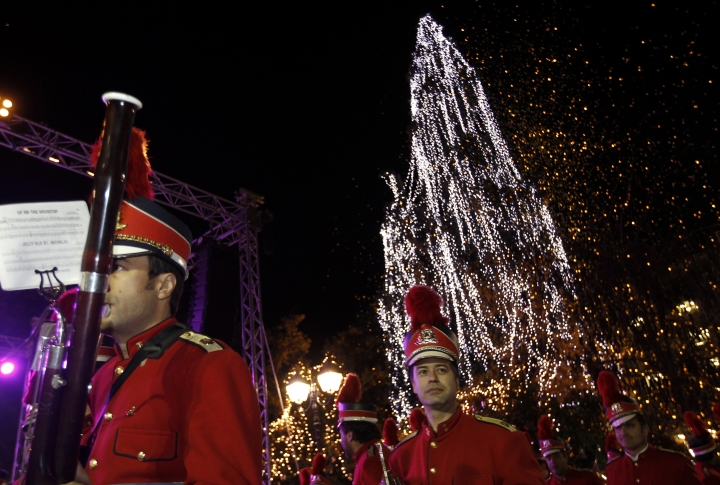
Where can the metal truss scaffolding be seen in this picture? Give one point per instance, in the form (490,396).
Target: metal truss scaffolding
(232,223)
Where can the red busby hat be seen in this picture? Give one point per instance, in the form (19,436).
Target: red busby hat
(317,474)
(549,444)
(612,447)
(618,407)
(536,455)
(143,227)
(429,335)
(702,445)
(390,433)
(348,402)
(417,416)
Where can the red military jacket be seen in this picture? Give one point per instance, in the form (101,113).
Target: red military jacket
(467,450)
(368,469)
(576,477)
(655,466)
(707,473)
(190,416)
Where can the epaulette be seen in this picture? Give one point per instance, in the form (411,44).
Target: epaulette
(405,439)
(202,341)
(496,422)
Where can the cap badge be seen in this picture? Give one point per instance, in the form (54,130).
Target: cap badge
(119,226)
(616,408)
(545,443)
(427,336)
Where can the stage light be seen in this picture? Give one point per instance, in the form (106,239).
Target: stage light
(7,368)
(4,112)
(7,103)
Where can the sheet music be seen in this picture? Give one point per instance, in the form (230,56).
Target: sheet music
(41,235)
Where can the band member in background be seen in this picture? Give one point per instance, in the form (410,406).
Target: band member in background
(641,462)
(316,474)
(450,446)
(359,434)
(704,449)
(171,405)
(554,450)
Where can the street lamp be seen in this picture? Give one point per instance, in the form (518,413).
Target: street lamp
(298,389)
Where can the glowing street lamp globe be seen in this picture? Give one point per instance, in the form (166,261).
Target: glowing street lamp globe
(329,378)
(298,389)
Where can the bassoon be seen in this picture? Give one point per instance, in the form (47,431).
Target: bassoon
(61,409)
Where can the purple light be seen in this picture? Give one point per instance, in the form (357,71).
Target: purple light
(7,368)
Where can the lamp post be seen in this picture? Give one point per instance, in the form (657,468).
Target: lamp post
(299,389)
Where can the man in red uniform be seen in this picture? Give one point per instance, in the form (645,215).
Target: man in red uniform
(359,434)
(316,474)
(171,405)
(704,449)
(555,452)
(641,462)
(451,447)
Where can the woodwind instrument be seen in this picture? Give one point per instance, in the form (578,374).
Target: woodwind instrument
(54,455)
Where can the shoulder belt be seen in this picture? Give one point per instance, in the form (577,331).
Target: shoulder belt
(405,440)
(496,422)
(202,341)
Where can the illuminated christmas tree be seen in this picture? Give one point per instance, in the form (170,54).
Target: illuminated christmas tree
(465,222)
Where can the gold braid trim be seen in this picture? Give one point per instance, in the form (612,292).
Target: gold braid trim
(167,250)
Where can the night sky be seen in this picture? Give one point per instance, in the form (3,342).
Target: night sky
(308,105)
(303,105)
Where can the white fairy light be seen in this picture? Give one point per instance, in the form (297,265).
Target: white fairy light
(465,222)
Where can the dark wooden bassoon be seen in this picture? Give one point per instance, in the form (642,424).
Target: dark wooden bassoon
(61,409)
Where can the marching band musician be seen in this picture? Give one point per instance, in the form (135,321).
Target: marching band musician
(450,446)
(555,452)
(359,435)
(641,462)
(171,405)
(704,450)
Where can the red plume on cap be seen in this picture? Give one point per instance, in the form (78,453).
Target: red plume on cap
(305,476)
(318,464)
(544,428)
(422,304)
(137,181)
(716,410)
(351,391)
(416,418)
(694,423)
(390,432)
(609,388)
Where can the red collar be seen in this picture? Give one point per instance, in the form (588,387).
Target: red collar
(444,427)
(363,449)
(135,343)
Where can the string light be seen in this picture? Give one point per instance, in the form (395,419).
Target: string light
(465,222)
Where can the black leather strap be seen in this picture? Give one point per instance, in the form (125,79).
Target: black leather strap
(154,349)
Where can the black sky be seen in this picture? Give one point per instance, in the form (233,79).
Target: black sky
(302,103)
